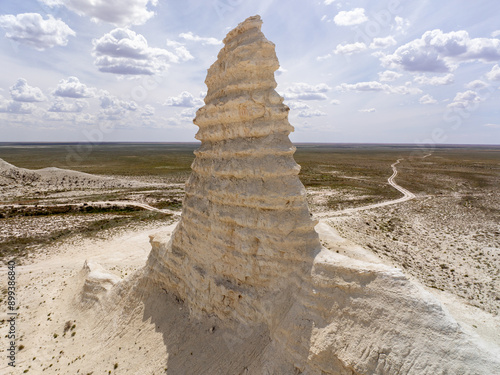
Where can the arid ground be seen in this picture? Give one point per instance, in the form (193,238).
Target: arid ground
(444,231)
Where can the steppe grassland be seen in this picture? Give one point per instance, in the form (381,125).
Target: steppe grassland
(448,237)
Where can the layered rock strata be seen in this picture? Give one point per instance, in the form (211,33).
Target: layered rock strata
(246,254)
(246,234)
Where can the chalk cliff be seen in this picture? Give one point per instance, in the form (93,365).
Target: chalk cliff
(245,251)
(245,234)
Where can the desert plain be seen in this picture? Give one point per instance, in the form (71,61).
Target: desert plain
(437,219)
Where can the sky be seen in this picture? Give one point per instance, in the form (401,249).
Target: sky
(389,71)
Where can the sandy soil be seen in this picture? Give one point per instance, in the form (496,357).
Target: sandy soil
(455,257)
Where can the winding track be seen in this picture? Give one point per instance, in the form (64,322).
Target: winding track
(407,195)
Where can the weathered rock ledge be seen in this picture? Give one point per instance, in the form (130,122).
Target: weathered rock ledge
(246,252)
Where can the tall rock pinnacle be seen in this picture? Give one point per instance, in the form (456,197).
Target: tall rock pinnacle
(246,235)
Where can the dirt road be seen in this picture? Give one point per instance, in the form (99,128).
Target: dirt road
(407,195)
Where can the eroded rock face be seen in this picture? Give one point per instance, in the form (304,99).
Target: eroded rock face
(246,252)
(246,233)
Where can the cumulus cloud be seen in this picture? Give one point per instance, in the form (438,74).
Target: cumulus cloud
(476,85)
(377,86)
(335,102)
(280,71)
(147,111)
(122,51)
(465,100)
(363,86)
(188,114)
(60,105)
(349,49)
(113,108)
(381,43)
(73,88)
(180,50)
(324,57)
(427,99)
(203,40)
(328,2)
(117,12)
(494,73)
(436,80)
(31,29)
(495,33)
(185,99)
(352,17)
(22,92)
(11,106)
(311,113)
(401,24)
(389,75)
(441,52)
(297,105)
(305,91)
(367,110)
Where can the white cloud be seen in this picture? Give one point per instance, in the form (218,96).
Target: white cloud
(305,91)
(377,86)
(195,38)
(402,24)
(117,12)
(388,76)
(335,102)
(476,84)
(324,57)
(494,126)
(381,43)
(188,113)
(180,50)
(311,113)
(427,99)
(11,106)
(404,90)
(297,105)
(31,29)
(122,51)
(436,80)
(147,111)
(280,71)
(349,18)
(464,100)
(328,2)
(367,110)
(22,92)
(363,86)
(185,99)
(60,105)
(494,73)
(495,34)
(349,49)
(113,108)
(441,52)
(73,88)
